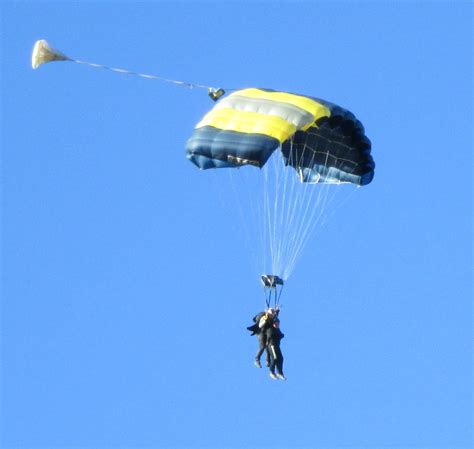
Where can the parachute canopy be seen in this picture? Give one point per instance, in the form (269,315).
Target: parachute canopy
(322,141)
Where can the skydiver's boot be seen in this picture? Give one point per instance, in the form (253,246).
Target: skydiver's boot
(281,376)
(273,376)
(257,363)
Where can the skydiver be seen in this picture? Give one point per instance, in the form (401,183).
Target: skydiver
(263,321)
(273,337)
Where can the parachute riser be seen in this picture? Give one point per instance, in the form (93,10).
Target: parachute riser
(272,294)
(270,289)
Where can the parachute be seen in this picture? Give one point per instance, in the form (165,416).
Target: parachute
(305,148)
(323,142)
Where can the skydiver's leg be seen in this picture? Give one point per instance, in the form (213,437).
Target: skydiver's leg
(268,357)
(271,352)
(279,362)
(262,340)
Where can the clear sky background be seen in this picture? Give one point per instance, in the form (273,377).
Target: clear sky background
(126,283)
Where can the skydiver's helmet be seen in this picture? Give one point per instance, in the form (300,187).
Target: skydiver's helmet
(271,311)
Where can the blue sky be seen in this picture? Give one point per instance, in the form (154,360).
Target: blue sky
(126,283)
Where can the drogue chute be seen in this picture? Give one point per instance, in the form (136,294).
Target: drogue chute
(44,53)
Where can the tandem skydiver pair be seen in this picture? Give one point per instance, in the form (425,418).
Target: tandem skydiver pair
(267,328)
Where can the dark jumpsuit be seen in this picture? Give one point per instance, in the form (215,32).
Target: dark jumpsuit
(273,337)
(261,335)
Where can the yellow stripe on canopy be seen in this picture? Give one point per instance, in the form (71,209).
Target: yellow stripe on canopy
(308,104)
(248,122)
